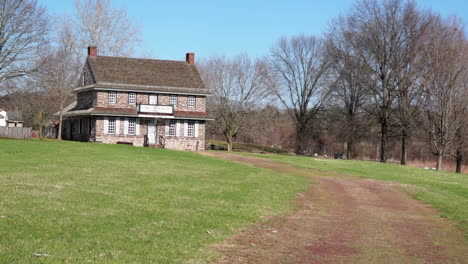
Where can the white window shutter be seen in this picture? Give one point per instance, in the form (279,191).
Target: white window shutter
(117,125)
(185,128)
(196,129)
(167,128)
(126,126)
(177,128)
(106,125)
(137,127)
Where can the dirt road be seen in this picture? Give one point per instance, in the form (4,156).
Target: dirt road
(343,219)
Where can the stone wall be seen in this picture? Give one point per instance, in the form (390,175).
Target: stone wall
(136,140)
(143,98)
(181,142)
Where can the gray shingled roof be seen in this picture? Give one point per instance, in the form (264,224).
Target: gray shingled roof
(146,72)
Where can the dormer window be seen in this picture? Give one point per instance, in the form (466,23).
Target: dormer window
(112,97)
(173,99)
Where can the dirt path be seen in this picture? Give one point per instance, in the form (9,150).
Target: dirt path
(346,220)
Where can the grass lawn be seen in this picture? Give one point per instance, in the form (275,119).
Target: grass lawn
(96,203)
(444,190)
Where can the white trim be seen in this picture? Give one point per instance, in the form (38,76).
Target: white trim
(106,125)
(185,128)
(126,126)
(137,127)
(196,129)
(117,125)
(177,133)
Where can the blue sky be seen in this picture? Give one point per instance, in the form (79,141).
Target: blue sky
(172,28)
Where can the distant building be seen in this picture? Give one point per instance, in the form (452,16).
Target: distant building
(5,121)
(143,102)
(3,118)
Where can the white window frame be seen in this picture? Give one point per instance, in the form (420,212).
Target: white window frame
(191,101)
(190,128)
(112,124)
(173,99)
(132,124)
(132,98)
(172,130)
(112,97)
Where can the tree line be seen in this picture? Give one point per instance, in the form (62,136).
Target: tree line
(386,76)
(386,67)
(42,55)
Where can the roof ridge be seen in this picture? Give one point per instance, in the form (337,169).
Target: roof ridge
(132,58)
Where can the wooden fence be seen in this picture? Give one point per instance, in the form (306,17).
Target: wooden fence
(16,132)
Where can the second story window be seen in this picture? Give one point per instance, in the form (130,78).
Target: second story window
(132,98)
(112,97)
(191,101)
(173,99)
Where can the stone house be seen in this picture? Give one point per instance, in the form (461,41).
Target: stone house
(143,102)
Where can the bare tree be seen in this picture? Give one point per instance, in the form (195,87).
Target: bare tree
(238,86)
(23,33)
(443,100)
(62,68)
(300,68)
(348,84)
(386,36)
(108,28)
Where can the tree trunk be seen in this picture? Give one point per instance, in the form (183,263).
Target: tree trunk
(300,136)
(459,158)
(228,140)
(404,151)
(384,142)
(349,149)
(439,162)
(59,132)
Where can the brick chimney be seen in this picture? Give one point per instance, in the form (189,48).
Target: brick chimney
(92,51)
(190,58)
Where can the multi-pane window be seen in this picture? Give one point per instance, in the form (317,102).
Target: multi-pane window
(111,125)
(132,98)
(112,97)
(191,101)
(131,126)
(191,128)
(173,99)
(172,127)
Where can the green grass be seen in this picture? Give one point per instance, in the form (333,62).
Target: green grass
(96,203)
(444,190)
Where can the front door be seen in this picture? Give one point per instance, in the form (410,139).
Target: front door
(153,99)
(151,132)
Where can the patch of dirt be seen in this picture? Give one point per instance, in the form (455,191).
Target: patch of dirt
(345,220)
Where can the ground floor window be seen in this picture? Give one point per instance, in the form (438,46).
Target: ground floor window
(111,125)
(131,126)
(172,127)
(191,128)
